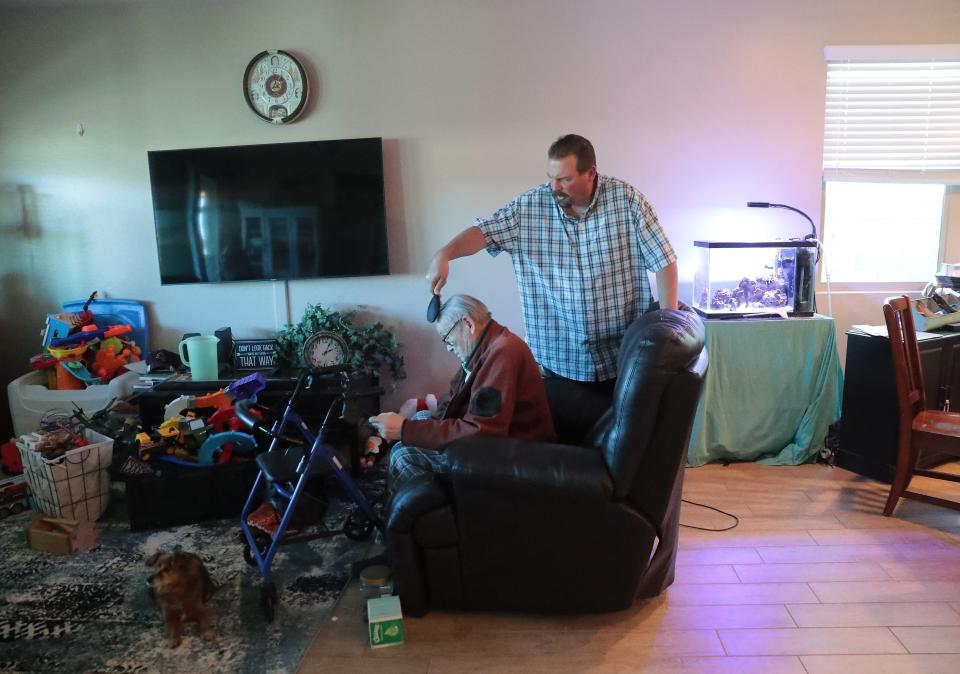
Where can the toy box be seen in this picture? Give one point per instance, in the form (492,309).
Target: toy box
(184,495)
(60,536)
(30,398)
(75,485)
(385,621)
(118,312)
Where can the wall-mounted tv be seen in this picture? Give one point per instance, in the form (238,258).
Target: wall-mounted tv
(278,211)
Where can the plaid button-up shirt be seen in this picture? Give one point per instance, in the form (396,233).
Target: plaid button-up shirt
(582,281)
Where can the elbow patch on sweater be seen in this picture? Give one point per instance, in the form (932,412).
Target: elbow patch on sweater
(486,402)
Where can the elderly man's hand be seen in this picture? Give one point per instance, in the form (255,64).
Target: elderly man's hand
(388,425)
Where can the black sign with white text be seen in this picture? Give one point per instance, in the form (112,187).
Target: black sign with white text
(254,354)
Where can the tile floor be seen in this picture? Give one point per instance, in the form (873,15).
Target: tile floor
(813,580)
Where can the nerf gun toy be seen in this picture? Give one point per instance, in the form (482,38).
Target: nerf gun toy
(247,387)
(177,407)
(241,389)
(86,335)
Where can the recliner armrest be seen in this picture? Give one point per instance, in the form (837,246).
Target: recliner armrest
(412,500)
(538,470)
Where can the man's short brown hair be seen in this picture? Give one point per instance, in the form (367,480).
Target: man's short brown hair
(577,146)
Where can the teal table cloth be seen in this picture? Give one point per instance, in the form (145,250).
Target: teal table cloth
(772,389)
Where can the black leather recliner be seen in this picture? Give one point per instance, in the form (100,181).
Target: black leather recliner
(553,528)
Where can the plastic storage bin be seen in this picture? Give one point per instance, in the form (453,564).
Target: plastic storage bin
(118,312)
(30,398)
(75,486)
(184,495)
(734,279)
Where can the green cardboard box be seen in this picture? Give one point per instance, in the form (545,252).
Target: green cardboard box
(385,620)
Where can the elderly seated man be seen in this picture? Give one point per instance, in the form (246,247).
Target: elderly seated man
(497,391)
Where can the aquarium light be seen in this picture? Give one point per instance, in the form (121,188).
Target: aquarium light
(767,204)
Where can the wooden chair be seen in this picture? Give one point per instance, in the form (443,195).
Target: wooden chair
(921,429)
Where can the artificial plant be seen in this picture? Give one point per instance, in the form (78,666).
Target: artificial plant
(371,347)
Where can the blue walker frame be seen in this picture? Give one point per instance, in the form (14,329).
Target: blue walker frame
(320,450)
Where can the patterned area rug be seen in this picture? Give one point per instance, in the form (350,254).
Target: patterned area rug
(91,612)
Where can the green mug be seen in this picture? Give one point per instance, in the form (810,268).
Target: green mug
(203,357)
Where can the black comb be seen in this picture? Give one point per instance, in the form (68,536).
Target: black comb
(433,309)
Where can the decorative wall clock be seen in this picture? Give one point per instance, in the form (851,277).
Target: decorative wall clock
(275,86)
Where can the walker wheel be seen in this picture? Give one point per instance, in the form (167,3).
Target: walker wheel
(268,601)
(358,526)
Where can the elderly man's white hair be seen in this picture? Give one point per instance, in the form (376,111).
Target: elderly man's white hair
(462,306)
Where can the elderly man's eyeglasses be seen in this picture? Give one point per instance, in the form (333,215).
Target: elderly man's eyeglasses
(446,338)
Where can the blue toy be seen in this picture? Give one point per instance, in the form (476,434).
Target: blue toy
(80,371)
(242,442)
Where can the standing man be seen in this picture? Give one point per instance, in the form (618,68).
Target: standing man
(581,245)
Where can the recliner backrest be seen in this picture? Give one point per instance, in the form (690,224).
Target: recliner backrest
(653,403)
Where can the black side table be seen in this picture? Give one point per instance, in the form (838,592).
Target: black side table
(870,421)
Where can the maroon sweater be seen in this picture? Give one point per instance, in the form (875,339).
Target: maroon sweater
(503,395)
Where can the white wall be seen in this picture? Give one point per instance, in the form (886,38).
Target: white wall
(702,104)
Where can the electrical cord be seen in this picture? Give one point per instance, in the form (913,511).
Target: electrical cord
(736,520)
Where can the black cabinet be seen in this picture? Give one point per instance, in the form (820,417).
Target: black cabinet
(870,420)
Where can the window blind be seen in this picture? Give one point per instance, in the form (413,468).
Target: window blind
(892,117)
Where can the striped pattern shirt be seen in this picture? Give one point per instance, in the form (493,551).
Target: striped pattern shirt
(582,281)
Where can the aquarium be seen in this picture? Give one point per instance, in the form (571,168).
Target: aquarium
(735,279)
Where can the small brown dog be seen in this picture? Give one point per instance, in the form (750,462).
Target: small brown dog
(182,587)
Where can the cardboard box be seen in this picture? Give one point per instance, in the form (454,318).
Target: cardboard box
(385,622)
(59,536)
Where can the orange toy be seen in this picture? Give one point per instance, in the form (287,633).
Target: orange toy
(64,380)
(106,364)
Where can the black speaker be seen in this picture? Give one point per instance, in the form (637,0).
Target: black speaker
(224,347)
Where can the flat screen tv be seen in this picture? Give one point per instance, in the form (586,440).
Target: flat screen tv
(279,211)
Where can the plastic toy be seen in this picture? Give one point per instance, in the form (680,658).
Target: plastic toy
(84,316)
(150,444)
(224,420)
(107,363)
(414,405)
(184,437)
(58,325)
(42,361)
(246,388)
(371,451)
(10,458)
(67,352)
(220,399)
(13,495)
(78,441)
(80,371)
(87,335)
(219,447)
